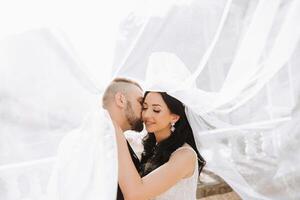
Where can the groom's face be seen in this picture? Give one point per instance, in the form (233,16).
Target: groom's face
(133,110)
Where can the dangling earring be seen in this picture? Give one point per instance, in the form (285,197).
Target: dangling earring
(172,127)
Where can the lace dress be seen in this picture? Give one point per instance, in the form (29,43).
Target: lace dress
(185,189)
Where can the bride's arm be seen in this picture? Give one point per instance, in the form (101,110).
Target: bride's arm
(134,187)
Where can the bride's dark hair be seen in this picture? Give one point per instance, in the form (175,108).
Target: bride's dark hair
(155,155)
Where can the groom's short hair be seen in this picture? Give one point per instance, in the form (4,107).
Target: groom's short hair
(117,85)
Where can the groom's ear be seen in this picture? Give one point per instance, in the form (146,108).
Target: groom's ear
(120,99)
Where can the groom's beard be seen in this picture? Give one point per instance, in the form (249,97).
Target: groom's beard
(135,122)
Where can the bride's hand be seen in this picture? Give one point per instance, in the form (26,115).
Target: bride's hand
(117,128)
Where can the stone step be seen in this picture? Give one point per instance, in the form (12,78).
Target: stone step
(226,196)
(211,185)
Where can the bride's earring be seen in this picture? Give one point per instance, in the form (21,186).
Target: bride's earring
(172,127)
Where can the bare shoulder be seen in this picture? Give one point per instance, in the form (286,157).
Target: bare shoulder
(185,157)
(185,152)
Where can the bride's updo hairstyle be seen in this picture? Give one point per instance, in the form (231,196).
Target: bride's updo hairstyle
(156,154)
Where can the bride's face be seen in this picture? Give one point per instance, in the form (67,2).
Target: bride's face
(156,114)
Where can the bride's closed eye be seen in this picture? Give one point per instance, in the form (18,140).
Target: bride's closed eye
(156,111)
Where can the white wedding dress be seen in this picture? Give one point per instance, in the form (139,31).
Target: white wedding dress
(186,188)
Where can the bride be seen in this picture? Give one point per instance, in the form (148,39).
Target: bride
(170,163)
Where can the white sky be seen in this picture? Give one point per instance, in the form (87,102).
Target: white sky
(90,25)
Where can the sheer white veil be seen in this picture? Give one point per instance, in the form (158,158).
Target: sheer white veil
(51,113)
(237,79)
(234,64)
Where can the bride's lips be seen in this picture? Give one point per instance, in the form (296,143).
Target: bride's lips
(149,123)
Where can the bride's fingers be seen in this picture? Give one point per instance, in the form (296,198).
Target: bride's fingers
(117,127)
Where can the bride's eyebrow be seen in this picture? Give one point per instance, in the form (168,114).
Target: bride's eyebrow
(156,105)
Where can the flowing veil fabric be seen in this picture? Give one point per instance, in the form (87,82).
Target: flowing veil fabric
(86,165)
(46,96)
(234,64)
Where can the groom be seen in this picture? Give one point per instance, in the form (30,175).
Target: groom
(78,171)
(123,100)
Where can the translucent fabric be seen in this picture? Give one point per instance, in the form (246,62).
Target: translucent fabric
(234,64)
(44,96)
(86,164)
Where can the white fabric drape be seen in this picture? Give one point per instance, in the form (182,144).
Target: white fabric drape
(234,64)
(45,95)
(239,125)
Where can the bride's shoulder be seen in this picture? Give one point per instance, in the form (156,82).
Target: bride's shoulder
(185,148)
(185,153)
(186,157)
